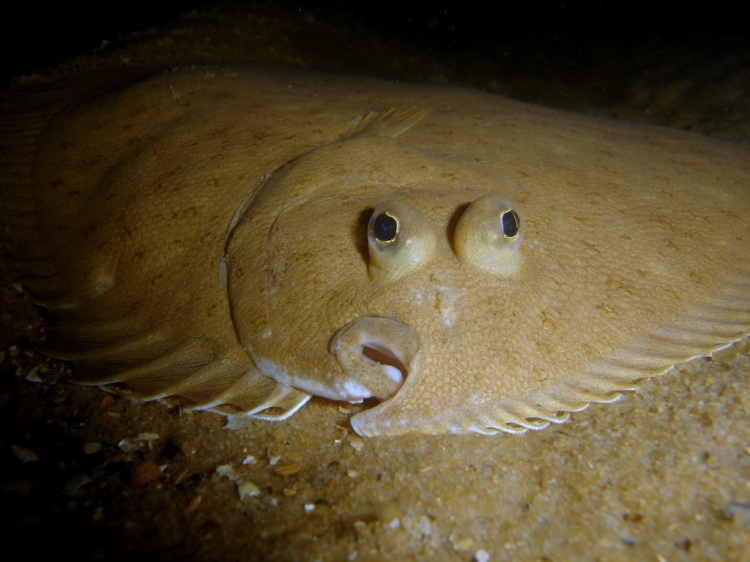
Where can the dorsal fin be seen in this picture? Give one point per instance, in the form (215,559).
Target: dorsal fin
(389,123)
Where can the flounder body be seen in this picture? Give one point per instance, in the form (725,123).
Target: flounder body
(243,238)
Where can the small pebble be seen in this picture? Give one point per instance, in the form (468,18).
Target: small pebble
(247,489)
(309,507)
(24,454)
(148,438)
(78,481)
(227,471)
(482,556)
(193,504)
(33,375)
(287,470)
(91,448)
(128,446)
(465,543)
(356,442)
(250,460)
(273,457)
(145,472)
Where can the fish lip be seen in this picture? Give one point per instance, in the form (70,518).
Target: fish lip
(376,355)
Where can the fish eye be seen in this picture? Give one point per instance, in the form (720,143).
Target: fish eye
(510,223)
(385,228)
(400,239)
(488,235)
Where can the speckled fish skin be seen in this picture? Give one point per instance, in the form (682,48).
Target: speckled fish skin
(205,236)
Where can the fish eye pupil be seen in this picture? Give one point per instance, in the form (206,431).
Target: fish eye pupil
(510,222)
(385,228)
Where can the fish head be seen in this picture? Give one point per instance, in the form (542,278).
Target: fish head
(369,269)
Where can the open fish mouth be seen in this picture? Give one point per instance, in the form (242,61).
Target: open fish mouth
(376,355)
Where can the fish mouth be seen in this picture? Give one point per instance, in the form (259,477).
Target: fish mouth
(375,355)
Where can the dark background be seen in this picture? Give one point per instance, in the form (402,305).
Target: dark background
(36,36)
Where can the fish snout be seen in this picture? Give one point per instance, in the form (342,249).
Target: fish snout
(375,354)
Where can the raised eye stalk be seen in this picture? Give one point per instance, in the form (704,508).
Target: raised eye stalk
(488,235)
(400,239)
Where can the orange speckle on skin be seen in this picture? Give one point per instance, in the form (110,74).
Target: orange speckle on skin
(661,220)
(89,230)
(702,218)
(127,233)
(89,162)
(139,255)
(606,309)
(620,285)
(591,247)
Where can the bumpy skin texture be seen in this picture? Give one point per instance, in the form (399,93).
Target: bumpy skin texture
(208,230)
